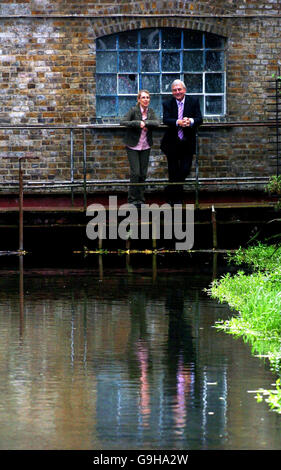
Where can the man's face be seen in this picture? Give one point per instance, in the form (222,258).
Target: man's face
(178,91)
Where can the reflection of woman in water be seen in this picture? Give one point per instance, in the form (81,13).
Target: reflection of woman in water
(140,120)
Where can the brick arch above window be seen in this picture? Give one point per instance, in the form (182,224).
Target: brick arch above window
(220,26)
(151,58)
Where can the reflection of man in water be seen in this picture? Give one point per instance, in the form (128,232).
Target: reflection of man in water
(180,355)
(180,332)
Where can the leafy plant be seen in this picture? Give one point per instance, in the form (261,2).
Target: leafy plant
(256,299)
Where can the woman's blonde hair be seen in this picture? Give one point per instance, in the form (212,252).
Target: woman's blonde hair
(140,92)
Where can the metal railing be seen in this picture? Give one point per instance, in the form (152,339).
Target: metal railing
(85,183)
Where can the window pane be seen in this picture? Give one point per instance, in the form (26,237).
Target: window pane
(193,82)
(193,61)
(167,81)
(155,104)
(128,40)
(125,103)
(171,39)
(106,62)
(106,106)
(151,83)
(106,84)
(150,61)
(150,39)
(213,41)
(193,40)
(214,83)
(128,62)
(214,104)
(128,84)
(107,42)
(171,61)
(214,60)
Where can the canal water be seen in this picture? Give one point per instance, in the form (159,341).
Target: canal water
(122,353)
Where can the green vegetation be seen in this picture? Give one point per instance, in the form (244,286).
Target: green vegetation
(256,298)
(274,187)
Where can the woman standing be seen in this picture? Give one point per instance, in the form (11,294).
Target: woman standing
(140,120)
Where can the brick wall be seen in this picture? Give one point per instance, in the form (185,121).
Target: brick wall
(47,73)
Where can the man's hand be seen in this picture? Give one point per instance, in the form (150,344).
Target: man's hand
(185,122)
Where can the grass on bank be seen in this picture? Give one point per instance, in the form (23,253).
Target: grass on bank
(255,295)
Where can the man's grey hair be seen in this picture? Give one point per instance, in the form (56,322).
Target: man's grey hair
(176,82)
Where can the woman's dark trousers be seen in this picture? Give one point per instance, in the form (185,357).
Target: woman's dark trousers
(138,160)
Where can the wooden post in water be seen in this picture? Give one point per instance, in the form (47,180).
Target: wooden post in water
(214,225)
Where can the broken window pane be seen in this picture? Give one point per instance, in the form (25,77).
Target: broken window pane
(127,84)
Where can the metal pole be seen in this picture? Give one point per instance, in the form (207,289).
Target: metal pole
(214,225)
(85,168)
(20,207)
(196,175)
(21,294)
(71,165)
(277,122)
(26,157)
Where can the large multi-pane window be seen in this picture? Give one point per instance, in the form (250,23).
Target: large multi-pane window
(151,59)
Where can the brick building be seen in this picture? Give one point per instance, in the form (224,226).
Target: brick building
(67,63)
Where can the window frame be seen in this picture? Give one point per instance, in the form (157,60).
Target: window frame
(161,73)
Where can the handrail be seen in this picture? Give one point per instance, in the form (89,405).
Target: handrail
(113,125)
(72,183)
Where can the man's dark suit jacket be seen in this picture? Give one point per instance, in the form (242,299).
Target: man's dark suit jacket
(170,116)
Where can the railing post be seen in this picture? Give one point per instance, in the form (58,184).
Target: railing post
(85,168)
(214,226)
(277,89)
(197,173)
(20,207)
(26,157)
(71,166)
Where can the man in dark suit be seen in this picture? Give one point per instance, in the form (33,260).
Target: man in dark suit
(183,116)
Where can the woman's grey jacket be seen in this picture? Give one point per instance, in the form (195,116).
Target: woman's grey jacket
(132,121)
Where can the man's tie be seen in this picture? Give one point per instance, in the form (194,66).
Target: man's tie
(180,116)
